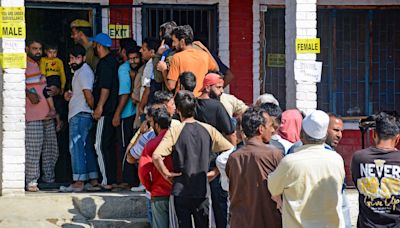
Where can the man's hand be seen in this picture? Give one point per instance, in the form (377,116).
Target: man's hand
(278,201)
(53,90)
(33,97)
(162,48)
(68,95)
(144,127)
(212,174)
(116,121)
(162,66)
(97,113)
(169,176)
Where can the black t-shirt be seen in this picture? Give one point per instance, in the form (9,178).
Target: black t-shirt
(191,157)
(212,112)
(376,174)
(106,77)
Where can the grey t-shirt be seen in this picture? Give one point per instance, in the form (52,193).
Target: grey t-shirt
(83,79)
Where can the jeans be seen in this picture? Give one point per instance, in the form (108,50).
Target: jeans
(160,209)
(84,166)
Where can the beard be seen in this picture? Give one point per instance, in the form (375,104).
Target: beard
(36,57)
(76,66)
(213,95)
(135,67)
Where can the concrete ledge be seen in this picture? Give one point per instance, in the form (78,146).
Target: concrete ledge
(111,206)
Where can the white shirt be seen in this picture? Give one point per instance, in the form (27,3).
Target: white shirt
(148,72)
(83,79)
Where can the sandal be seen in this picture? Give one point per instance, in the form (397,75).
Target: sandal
(92,188)
(32,188)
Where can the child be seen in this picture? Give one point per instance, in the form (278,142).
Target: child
(52,69)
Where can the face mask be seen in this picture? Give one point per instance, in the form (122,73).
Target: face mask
(76,66)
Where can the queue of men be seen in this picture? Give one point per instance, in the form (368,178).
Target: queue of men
(161,118)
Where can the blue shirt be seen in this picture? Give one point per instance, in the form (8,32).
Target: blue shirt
(125,88)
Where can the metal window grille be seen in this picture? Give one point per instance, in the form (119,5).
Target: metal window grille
(273,55)
(360,50)
(202,18)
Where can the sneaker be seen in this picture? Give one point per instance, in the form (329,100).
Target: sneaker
(140,188)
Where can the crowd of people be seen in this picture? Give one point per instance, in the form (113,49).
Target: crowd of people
(160,116)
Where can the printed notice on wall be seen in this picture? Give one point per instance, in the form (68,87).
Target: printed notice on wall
(275,60)
(12,22)
(13,60)
(308,46)
(307,71)
(118,31)
(12,30)
(12,14)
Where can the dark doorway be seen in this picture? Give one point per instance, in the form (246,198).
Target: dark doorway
(50,23)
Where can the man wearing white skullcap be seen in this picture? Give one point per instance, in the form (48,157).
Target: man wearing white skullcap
(310,180)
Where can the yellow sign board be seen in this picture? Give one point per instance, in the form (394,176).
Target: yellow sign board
(276,60)
(13,60)
(12,14)
(12,30)
(308,46)
(118,31)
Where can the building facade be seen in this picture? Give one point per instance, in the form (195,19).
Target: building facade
(359,51)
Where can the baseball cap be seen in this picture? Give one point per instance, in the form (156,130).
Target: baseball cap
(102,39)
(316,124)
(80,23)
(211,79)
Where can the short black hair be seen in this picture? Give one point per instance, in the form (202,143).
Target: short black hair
(188,80)
(272,109)
(127,43)
(161,117)
(184,32)
(166,32)
(31,41)
(185,103)
(134,49)
(162,96)
(152,43)
(252,118)
(78,50)
(51,47)
(387,125)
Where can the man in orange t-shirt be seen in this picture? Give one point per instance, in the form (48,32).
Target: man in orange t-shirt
(187,59)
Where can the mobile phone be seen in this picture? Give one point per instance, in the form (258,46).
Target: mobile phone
(32,90)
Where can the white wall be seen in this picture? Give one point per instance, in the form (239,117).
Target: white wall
(12,114)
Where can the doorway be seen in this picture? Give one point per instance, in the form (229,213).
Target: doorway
(50,24)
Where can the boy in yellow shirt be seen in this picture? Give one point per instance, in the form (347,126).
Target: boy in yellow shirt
(52,69)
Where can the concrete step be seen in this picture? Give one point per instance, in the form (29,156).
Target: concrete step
(119,223)
(71,210)
(111,205)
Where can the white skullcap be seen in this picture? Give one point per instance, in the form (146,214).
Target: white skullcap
(267,98)
(316,124)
